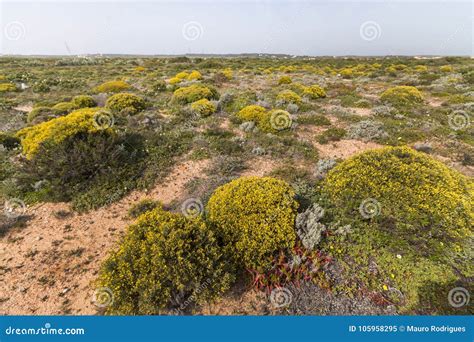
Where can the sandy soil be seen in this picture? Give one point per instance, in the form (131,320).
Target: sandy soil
(47,267)
(344,148)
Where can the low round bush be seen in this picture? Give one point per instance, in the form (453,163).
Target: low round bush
(194,93)
(102,161)
(410,218)
(284,80)
(402,96)
(256,217)
(182,75)
(425,202)
(251,113)
(314,92)
(194,75)
(84,101)
(40,114)
(56,130)
(175,80)
(446,68)
(289,96)
(112,87)
(203,107)
(62,108)
(274,121)
(158,86)
(125,103)
(165,261)
(8,141)
(7,87)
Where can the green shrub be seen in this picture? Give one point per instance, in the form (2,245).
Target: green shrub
(314,92)
(62,108)
(289,96)
(84,101)
(402,96)
(8,141)
(40,114)
(165,260)
(125,103)
(251,113)
(256,217)
(203,107)
(112,87)
(313,119)
(82,161)
(331,134)
(158,86)
(194,93)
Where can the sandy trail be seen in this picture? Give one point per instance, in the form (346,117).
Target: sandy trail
(47,267)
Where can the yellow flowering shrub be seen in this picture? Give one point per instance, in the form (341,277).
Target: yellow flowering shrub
(56,130)
(284,80)
(125,103)
(411,227)
(228,73)
(446,68)
(424,200)
(402,96)
(274,121)
(165,261)
(421,68)
(139,69)
(182,75)
(7,87)
(256,217)
(194,75)
(203,107)
(289,96)
(193,93)
(314,92)
(346,73)
(251,113)
(112,87)
(175,80)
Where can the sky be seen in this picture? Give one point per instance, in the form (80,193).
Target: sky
(315,28)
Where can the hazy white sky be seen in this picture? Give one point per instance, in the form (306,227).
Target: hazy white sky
(395,27)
